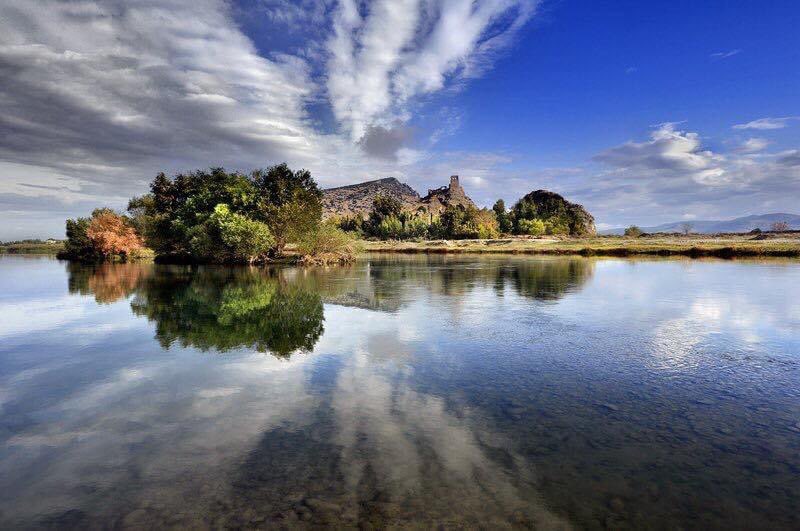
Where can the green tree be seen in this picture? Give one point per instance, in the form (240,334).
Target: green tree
(633,231)
(230,237)
(534,227)
(385,207)
(288,201)
(390,228)
(415,227)
(174,212)
(504,221)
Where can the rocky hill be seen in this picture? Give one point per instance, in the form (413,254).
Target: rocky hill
(358,198)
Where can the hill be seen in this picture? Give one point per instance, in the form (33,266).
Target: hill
(357,198)
(743,224)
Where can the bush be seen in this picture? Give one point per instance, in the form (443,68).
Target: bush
(556,227)
(415,228)
(633,231)
(354,223)
(390,228)
(230,237)
(328,244)
(534,227)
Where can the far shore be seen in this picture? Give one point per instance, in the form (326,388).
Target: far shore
(766,245)
(694,245)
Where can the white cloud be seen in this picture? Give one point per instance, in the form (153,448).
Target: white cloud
(669,150)
(764,124)
(725,55)
(753,145)
(373,73)
(100,96)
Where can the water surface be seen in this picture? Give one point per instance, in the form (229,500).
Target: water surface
(402,392)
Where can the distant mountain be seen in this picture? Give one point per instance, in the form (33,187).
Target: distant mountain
(744,224)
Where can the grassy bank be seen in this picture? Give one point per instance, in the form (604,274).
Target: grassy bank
(718,245)
(46,248)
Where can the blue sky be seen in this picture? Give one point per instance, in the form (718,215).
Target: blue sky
(645,112)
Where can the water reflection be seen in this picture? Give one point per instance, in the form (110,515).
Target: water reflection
(442,391)
(225,309)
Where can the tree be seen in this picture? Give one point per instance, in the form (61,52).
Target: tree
(230,237)
(171,213)
(504,220)
(103,236)
(633,231)
(384,207)
(289,202)
(780,226)
(559,215)
(180,219)
(78,245)
(686,228)
(534,227)
(112,234)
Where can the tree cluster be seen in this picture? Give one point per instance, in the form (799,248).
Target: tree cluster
(536,214)
(389,221)
(208,216)
(105,235)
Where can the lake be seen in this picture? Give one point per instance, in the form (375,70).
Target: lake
(401,391)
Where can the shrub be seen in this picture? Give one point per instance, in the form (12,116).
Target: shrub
(556,227)
(353,223)
(488,226)
(633,231)
(104,236)
(230,237)
(534,227)
(327,244)
(415,228)
(390,228)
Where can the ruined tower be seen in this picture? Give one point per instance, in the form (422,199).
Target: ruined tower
(455,187)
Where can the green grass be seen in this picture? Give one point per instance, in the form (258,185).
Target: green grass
(31,248)
(723,246)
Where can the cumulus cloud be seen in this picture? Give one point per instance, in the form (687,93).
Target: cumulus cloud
(765,124)
(671,174)
(669,150)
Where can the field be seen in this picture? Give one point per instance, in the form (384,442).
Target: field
(51,247)
(700,245)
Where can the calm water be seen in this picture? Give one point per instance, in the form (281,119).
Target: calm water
(401,392)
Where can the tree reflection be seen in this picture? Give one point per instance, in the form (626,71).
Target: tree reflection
(107,282)
(228,308)
(280,310)
(212,308)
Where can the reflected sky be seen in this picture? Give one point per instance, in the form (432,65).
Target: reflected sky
(545,392)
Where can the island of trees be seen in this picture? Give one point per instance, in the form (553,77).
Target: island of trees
(214,217)
(217,216)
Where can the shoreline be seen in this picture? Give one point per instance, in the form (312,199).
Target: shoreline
(689,246)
